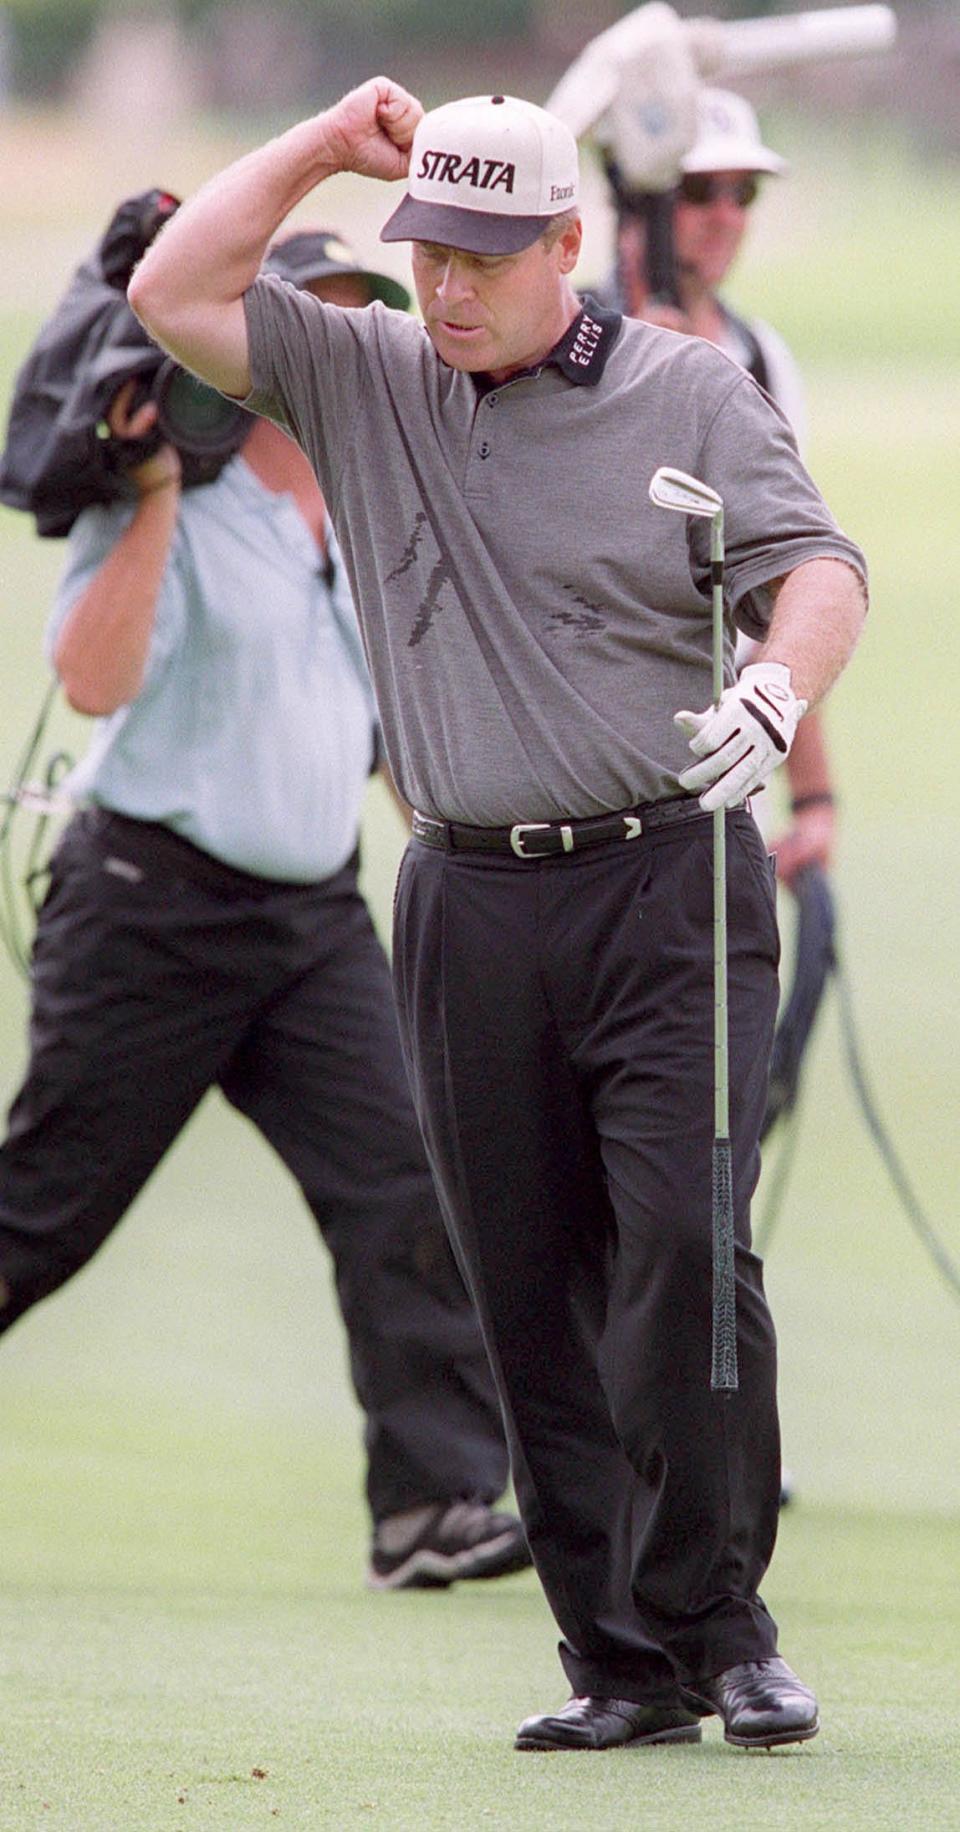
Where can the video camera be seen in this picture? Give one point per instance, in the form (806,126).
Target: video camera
(60,455)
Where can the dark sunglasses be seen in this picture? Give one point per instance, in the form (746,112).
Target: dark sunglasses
(705,188)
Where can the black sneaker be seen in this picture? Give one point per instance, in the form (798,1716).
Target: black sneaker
(456,1539)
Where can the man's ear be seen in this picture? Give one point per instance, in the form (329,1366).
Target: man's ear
(569,245)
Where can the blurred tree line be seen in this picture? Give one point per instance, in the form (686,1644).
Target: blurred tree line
(269,55)
(47,36)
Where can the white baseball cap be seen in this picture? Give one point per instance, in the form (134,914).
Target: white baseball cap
(728,137)
(486,175)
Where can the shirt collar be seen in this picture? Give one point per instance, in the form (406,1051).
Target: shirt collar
(581,354)
(583,350)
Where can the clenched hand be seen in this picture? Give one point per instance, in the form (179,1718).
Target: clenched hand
(371,130)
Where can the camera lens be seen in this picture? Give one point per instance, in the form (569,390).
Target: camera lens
(194,417)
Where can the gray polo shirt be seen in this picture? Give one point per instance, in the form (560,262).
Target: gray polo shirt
(531,621)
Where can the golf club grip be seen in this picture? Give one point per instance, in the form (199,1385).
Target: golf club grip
(723,1376)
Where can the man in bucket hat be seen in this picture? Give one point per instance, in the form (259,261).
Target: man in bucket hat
(533,623)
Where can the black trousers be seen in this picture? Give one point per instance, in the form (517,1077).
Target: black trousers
(158,973)
(558,1021)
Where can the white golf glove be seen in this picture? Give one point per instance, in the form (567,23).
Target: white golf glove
(742,740)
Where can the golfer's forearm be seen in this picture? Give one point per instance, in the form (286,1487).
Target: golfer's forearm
(817,619)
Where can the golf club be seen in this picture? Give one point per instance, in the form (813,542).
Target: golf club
(676,490)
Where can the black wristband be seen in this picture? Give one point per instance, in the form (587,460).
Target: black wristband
(818,798)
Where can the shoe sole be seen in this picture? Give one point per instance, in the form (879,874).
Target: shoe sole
(685,1733)
(427,1569)
(775,1741)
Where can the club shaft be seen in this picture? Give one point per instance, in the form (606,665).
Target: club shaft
(724,1374)
(720,1044)
(721,1097)
(671,488)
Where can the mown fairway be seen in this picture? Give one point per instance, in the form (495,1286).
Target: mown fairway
(184,1636)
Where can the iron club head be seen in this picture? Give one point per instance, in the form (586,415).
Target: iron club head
(672,489)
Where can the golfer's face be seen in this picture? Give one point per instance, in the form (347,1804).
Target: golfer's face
(491,313)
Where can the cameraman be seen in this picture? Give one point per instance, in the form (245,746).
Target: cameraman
(720,179)
(204,927)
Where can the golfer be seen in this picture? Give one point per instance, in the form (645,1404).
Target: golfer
(533,624)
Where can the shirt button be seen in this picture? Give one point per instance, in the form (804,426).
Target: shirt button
(484,450)
(491,400)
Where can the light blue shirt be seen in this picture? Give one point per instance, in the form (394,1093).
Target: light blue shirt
(253,733)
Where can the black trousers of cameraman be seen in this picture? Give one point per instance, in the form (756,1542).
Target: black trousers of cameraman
(159,973)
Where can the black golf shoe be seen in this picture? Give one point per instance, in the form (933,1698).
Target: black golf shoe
(762,1703)
(607,1723)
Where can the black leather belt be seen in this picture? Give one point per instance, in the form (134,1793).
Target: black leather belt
(549,839)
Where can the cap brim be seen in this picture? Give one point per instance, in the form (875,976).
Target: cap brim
(721,156)
(475,231)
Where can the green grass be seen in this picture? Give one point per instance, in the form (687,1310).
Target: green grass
(848,252)
(148,1691)
(182,1528)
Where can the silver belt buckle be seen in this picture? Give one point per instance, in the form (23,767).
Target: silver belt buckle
(424,827)
(521,828)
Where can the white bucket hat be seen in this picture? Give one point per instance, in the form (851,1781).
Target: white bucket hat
(728,137)
(486,175)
